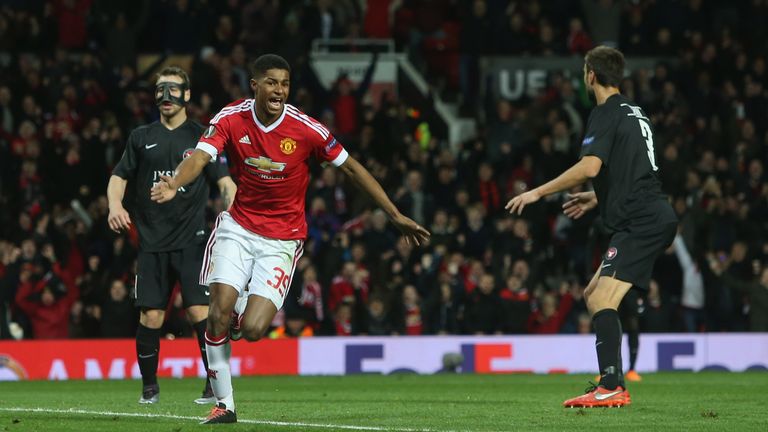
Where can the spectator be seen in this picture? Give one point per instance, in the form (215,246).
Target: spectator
(693,288)
(413,201)
(657,316)
(603,18)
(342,289)
(117,315)
(343,319)
(377,322)
(756,292)
(550,316)
(408,318)
(47,303)
(444,312)
(516,304)
(484,311)
(578,41)
(72,16)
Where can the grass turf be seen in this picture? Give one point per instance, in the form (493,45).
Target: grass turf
(672,401)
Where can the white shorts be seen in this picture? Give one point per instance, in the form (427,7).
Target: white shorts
(240,258)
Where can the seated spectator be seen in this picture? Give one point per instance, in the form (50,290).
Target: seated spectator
(342,290)
(484,310)
(408,318)
(377,322)
(516,304)
(343,319)
(443,312)
(549,318)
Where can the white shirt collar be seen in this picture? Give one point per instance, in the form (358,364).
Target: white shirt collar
(272,126)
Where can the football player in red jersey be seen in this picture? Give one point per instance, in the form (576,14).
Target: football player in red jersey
(253,250)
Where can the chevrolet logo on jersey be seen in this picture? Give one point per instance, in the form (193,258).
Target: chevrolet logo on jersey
(264,164)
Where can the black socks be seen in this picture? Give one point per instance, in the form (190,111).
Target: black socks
(608,346)
(148,353)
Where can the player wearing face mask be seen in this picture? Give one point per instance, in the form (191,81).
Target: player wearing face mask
(171,236)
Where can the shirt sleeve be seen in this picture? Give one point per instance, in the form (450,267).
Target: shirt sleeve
(126,167)
(214,138)
(331,151)
(324,146)
(598,141)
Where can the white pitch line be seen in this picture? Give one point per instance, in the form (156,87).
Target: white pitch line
(178,417)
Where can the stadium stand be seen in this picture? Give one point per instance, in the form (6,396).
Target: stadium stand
(75,78)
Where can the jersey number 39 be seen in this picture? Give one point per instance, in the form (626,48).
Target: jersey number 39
(645,128)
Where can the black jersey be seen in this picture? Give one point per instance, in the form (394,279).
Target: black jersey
(152,151)
(628,188)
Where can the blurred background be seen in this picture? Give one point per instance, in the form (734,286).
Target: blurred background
(454,106)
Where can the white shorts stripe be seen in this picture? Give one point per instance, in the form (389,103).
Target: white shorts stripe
(299,252)
(207,255)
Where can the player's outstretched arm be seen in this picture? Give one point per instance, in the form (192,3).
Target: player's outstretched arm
(413,232)
(587,168)
(118,218)
(579,203)
(187,171)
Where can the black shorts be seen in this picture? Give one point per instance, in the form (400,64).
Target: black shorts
(631,254)
(157,273)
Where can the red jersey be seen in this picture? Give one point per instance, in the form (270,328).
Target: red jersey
(270,164)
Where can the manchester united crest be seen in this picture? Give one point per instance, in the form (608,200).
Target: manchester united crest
(287,145)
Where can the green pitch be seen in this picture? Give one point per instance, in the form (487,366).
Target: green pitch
(670,401)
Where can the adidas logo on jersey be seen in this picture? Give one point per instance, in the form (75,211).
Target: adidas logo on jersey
(245,140)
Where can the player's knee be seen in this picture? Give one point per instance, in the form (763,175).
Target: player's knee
(152,318)
(197,313)
(218,318)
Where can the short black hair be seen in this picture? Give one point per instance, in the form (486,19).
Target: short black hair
(175,71)
(261,65)
(607,63)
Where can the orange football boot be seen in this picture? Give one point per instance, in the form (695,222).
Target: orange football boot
(596,397)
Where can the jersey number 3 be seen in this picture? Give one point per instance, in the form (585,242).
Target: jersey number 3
(645,128)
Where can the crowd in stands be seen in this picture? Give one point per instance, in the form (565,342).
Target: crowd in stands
(71,91)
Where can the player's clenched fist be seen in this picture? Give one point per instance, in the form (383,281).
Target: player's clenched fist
(164,190)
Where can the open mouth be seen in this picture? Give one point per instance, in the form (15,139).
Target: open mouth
(275,103)
(167,105)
